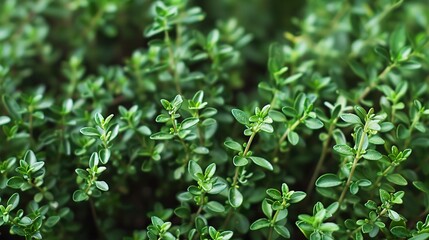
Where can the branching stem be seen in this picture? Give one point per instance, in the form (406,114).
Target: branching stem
(354,164)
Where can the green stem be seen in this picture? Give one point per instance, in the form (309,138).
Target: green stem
(291,128)
(246,150)
(355,161)
(273,101)
(92,24)
(322,157)
(200,209)
(412,126)
(173,62)
(377,182)
(380,77)
(270,232)
(359,228)
(200,130)
(185,146)
(235,179)
(337,18)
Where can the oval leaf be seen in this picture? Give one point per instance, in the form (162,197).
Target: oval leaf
(235,197)
(328,180)
(262,162)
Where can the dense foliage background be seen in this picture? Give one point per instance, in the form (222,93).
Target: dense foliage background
(331,96)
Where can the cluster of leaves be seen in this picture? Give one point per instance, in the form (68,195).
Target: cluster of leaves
(198,144)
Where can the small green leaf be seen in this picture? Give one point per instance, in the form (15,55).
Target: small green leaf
(282,231)
(208,112)
(354,188)
(194,169)
(291,79)
(52,220)
(201,150)
(30,157)
(4,120)
(12,107)
(259,224)
(104,155)
(90,132)
(93,160)
(363,182)
(372,155)
(15,182)
(267,128)
(366,228)
(397,179)
(351,118)
(102,185)
(384,195)
(215,207)
(235,197)
(36,166)
(144,130)
(400,231)
(177,103)
(240,116)
(81,173)
(328,180)
(240,161)
(274,193)
(210,170)
(266,208)
(262,162)
(344,150)
(313,123)
(297,196)
(277,116)
(161,136)
(231,144)
(13,200)
(79,196)
(402,132)
(189,122)
(397,39)
(393,215)
(421,186)
(382,52)
(293,138)
(290,111)
(421,236)
(25,221)
(226,235)
(162,118)
(329,227)
(358,69)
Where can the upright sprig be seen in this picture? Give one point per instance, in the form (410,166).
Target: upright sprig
(104,131)
(366,126)
(207,184)
(170,14)
(315,227)
(389,163)
(277,204)
(374,223)
(23,225)
(300,111)
(206,124)
(183,131)
(330,124)
(260,121)
(159,229)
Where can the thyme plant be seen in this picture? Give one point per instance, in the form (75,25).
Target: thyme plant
(181,119)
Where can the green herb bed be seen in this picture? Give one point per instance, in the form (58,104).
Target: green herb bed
(216,120)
